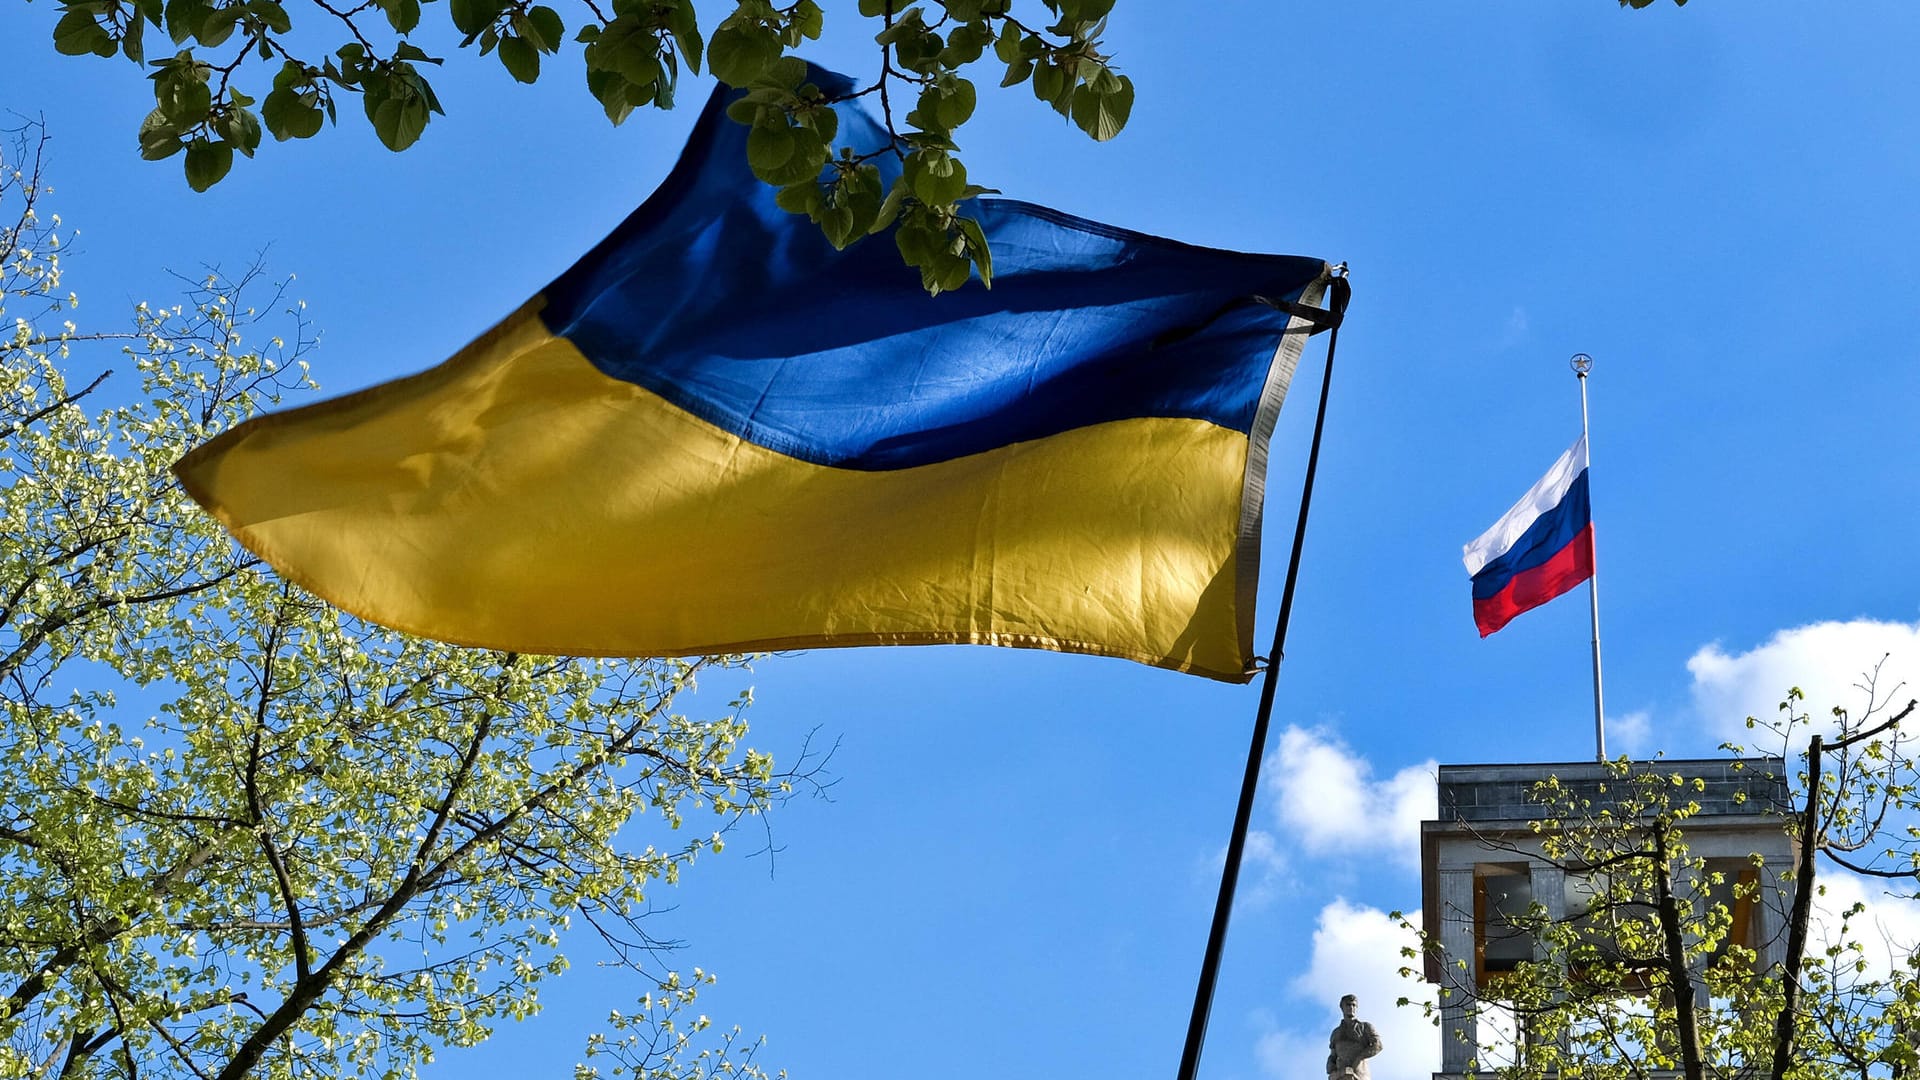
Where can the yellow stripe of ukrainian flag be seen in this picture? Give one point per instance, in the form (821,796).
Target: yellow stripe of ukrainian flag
(516,498)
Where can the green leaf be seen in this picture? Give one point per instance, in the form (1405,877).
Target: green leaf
(927,244)
(418,86)
(837,223)
(945,272)
(914,240)
(1007,45)
(544,29)
(808,19)
(738,52)
(158,138)
(182,18)
(78,34)
(955,103)
(890,208)
(935,178)
(292,114)
(216,26)
(616,95)
(977,248)
(915,47)
(1048,81)
(906,24)
(520,58)
(1101,108)
(873,9)
(1084,11)
(627,46)
(800,198)
(683,24)
(275,18)
(1053,85)
(353,68)
(183,97)
(1017,72)
(808,158)
(240,128)
(785,72)
(402,15)
(207,162)
(473,16)
(398,110)
(930,140)
(769,146)
(966,44)
(859,193)
(821,120)
(133,40)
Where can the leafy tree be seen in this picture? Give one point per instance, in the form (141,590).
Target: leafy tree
(244,834)
(1647,976)
(243,67)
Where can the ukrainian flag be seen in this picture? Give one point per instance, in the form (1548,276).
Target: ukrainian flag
(715,433)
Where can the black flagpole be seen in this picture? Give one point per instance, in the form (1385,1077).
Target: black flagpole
(1229,877)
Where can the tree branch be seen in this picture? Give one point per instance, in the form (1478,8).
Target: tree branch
(256,813)
(1797,924)
(30,418)
(101,932)
(32,640)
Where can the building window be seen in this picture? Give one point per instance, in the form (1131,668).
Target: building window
(1737,890)
(1503,935)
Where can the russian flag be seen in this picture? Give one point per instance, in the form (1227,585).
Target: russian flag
(1539,549)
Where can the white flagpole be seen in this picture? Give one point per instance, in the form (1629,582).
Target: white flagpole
(1582,363)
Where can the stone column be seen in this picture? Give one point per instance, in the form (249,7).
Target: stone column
(1775,901)
(1459,1026)
(1550,891)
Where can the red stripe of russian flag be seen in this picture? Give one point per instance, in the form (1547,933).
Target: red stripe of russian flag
(1539,549)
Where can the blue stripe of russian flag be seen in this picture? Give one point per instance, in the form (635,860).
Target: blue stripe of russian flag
(1541,548)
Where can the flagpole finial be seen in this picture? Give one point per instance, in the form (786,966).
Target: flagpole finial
(1581,364)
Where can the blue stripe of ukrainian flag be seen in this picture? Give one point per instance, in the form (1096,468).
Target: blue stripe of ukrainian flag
(716,433)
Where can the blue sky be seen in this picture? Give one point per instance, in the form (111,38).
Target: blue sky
(1015,871)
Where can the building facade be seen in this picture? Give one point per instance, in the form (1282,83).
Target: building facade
(1483,868)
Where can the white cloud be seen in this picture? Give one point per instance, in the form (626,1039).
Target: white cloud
(1329,803)
(1264,870)
(1888,929)
(1291,1055)
(1628,734)
(1826,660)
(1356,950)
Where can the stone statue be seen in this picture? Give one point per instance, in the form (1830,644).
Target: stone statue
(1351,1044)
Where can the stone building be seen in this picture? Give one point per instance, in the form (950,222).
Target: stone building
(1481,865)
